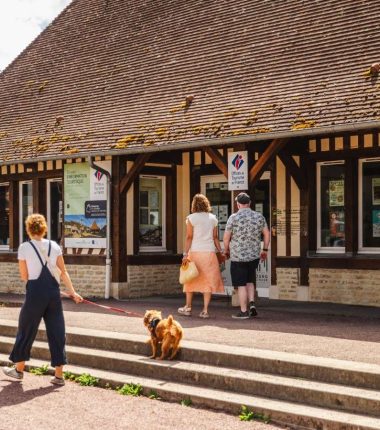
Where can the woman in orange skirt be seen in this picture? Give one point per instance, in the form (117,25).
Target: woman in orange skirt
(201,246)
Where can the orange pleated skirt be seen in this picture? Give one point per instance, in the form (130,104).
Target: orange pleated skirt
(209,279)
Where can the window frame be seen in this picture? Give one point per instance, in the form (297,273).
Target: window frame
(6,247)
(163,247)
(363,249)
(21,218)
(326,249)
(48,203)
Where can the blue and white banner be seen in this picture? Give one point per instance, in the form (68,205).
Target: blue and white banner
(238,171)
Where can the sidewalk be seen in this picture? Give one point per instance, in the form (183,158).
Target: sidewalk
(318,329)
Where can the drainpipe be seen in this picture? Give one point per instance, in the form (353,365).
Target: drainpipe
(108,234)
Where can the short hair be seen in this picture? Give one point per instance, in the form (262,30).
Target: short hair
(36,225)
(200,203)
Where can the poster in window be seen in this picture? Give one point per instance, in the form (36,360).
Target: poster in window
(215,211)
(336,228)
(223,213)
(376,223)
(376,191)
(336,193)
(154,218)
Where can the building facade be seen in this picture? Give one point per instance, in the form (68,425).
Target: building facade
(163,106)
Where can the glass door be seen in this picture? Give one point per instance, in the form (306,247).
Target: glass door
(54,209)
(215,188)
(261,203)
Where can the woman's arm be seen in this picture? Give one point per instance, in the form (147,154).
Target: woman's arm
(67,281)
(216,240)
(23,270)
(189,239)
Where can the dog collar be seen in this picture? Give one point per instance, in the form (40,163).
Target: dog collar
(152,326)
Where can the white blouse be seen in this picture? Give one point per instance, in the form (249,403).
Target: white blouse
(203,226)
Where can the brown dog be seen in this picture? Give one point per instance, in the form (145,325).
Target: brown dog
(167,331)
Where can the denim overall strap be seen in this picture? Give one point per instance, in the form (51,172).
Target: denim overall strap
(49,248)
(38,254)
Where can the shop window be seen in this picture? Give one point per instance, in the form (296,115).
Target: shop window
(26,206)
(54,209)
(369,205)
(152,213)
(4,216)
(330,207)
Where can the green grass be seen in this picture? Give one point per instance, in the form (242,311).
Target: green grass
(69,376)
(131,389)
(247,415)
(186,402)
(43,370)
(153,395)
(86,380)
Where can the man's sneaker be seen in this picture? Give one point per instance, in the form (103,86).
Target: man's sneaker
(241,315)
(185,311)
(252,309)
(13,373)
(57,381)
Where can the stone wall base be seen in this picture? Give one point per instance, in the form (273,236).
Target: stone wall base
(355,287)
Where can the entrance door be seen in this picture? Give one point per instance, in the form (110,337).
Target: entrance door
(261,203)
(215,188)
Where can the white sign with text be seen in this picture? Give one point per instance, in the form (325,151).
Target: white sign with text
(238,170)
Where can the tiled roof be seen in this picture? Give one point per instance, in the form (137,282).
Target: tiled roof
(116,73)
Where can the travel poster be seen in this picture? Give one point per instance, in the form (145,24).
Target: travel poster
(336,193)
(85,201)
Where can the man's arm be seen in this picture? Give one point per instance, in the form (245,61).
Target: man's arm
(226,242)
(266,238)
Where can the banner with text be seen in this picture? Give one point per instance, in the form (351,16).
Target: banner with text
(85,201)
(238,171)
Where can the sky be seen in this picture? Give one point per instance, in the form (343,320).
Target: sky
(21,21)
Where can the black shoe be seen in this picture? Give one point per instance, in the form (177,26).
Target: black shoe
(252,309)
(241,315)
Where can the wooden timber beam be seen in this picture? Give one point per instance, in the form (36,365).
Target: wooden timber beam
(265,159)
(129,178)
(295,171)
(217,159)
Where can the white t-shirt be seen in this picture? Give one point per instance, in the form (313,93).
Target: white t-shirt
(27,253)
(203,226)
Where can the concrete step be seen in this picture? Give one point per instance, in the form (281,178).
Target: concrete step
(280,412)
(233,380)
(321,369)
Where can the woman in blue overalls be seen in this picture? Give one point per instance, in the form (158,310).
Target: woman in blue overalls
(39,259)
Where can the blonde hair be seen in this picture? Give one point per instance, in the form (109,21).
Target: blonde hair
(200,203)
(35,225)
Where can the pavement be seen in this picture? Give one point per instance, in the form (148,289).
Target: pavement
(36,404)
(343,332)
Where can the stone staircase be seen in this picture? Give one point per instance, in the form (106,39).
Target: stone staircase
(296,390)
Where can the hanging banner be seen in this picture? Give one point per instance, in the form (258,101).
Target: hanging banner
(238,171)
(85,203)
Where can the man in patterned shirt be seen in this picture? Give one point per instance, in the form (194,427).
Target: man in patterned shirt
(242,243)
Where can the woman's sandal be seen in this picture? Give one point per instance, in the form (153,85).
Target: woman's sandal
(204,315)
(185,311)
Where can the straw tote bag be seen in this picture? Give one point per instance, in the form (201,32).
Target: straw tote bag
(187,272)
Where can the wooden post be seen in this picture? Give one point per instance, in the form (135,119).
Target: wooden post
(119,221)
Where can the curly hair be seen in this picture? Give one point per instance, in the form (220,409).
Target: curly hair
(36,225)
(200,203)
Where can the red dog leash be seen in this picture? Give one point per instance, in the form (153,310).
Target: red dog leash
(108,308)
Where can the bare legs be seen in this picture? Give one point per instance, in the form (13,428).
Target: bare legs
(189,301)
(246,294)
